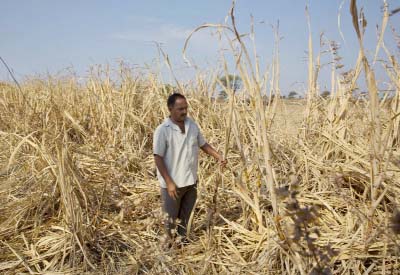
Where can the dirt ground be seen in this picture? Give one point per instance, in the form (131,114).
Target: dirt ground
(288,118)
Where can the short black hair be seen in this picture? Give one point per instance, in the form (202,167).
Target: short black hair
(172,99)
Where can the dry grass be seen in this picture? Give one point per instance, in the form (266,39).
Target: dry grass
(311,185)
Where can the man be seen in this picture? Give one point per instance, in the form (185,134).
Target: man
(176,146)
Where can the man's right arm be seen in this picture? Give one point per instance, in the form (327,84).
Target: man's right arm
(159,150)
(171,186)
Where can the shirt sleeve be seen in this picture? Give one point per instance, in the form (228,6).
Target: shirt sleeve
(200,139)
(159,142)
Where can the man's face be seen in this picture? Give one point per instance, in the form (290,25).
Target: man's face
(179,110)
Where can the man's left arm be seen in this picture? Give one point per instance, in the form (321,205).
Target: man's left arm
(208,149)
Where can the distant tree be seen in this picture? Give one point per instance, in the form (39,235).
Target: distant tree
(222,95)
(230,81)
(325,94)
(292,95)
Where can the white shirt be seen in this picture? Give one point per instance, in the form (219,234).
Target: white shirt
(179,150)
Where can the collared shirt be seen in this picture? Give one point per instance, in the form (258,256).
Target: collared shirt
(179,151)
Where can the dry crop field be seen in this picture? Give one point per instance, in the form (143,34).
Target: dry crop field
(311,185)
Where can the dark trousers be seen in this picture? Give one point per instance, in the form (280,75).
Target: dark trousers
(179,210)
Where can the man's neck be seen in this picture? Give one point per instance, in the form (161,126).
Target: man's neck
(181,124)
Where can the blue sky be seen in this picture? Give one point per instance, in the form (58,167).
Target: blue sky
(49,36)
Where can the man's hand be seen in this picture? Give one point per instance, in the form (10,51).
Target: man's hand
(222,161)
(171,188)
(211,151)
